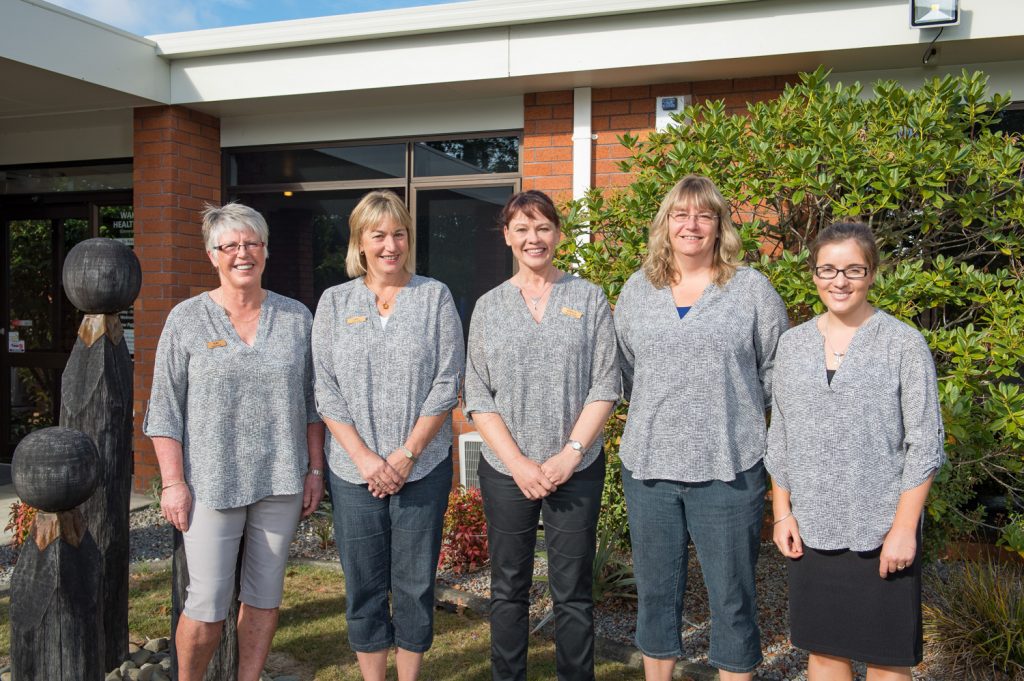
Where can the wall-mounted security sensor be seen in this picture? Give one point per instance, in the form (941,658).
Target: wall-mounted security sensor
(934,13)
(666,106)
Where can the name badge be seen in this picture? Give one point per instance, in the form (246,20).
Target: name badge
(216,344)
(569,312)
(356,320)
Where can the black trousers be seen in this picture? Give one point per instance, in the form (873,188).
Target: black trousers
(570,532)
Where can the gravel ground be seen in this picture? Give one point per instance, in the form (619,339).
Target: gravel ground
(151,541)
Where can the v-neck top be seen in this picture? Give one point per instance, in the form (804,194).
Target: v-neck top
(538,376)
(382,380)
(846,450)
(239,411)
(698,386)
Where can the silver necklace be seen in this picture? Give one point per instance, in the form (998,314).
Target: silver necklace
(828,346)
(535,301)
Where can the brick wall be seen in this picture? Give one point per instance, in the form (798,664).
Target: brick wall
(547,143)
(177,168)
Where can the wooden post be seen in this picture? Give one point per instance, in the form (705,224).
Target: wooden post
(56,604)
(102,277)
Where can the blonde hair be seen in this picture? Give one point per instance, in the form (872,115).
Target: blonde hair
(369,213)
(699,191)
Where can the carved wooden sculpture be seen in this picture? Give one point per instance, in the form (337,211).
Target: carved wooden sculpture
(101,278)
(56,604)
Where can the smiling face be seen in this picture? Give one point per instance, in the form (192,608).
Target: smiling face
(844,297)
(693,232)
(243,268)
(533,240)
(385,248)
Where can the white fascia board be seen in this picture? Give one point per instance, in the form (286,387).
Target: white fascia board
(752,30)
(456,16)
(1005,77)
(49,37)
(393,62)
(414,118)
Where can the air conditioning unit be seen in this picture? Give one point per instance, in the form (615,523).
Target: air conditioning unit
(470,446)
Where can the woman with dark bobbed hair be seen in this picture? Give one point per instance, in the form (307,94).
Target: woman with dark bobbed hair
(541,379)
(388,355)
(238,440)
(855,440)
(697,334)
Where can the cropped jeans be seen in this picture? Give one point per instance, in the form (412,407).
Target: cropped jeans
(724,521)
(391,546)
(570,532)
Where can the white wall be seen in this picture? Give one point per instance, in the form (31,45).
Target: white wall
(67,137)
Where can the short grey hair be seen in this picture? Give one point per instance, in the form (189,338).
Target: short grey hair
(234,215)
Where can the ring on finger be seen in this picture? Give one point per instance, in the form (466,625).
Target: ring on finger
(900,566)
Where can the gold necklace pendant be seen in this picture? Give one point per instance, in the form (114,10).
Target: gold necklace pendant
(386,306)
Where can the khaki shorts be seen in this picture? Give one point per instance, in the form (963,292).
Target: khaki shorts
(211,548)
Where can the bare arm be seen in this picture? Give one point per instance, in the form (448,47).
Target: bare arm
(313,485)
(527,474)
(423,432)
(175,496)
(786,531)
(900,545)
(559,468)
(379,475)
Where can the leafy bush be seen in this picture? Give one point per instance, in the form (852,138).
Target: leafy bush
(464,542)
(940,185)
(19,522)
(613,576)
(975,624)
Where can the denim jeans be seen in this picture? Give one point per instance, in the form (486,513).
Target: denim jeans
(724,521)
(391,545)
(570,532)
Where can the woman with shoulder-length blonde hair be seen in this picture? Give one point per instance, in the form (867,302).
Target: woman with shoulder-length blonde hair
(388,359)
(697,334)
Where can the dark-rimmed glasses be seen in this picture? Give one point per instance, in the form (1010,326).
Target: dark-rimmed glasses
(851,272)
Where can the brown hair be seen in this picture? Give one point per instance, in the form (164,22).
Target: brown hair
(372,210)
(530,202)
(843,231)
(700,191)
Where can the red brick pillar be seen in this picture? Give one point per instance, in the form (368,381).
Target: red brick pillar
(547,143)
(176,170)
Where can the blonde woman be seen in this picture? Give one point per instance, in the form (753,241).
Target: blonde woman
(697,334)
(388,359)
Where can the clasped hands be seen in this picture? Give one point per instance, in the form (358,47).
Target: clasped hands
(538,480)
(387,476)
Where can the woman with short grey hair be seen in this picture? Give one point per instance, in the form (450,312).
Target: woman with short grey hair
(697,334)
(239,443)
(388,355)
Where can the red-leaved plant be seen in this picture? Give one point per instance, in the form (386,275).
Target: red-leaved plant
(19,522)
(464,543)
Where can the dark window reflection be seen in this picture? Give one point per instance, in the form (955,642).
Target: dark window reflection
(467,156)
(369,162)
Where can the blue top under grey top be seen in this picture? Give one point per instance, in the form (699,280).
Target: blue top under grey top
(846,451)
(382,380)
(538,376)
(698,386)
(240,412)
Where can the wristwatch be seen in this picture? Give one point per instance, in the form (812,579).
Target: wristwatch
(576,445)
(408,454)
(316,472)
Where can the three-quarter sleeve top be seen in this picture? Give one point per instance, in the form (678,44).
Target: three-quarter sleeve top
(846,451)
(538,376)
(382,379)
(240,412)
(698,387)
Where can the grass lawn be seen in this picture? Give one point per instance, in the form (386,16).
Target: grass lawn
(311,637)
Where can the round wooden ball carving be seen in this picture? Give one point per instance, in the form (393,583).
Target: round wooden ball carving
(102,276)
(55,469)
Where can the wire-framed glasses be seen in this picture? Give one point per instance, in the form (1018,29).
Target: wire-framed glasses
(702,219)
(234,247)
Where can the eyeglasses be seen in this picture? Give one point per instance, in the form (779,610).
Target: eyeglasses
(233,247)
(851,272)
(703,219)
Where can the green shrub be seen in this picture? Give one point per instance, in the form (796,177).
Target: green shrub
(940,186)
(975,623)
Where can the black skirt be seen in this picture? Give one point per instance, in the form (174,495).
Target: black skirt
(838,605)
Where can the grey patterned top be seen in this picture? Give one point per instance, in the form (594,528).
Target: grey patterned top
(382,380)
(698,386)
(538,376)
(239,412)
(846,451)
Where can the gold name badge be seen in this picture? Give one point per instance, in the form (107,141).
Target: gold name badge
(356,320)
(216,344)
(569,312)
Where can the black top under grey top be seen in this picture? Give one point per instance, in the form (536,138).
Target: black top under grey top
(240,412)
(538,376)
(846,451)
(698,386)
(382,380)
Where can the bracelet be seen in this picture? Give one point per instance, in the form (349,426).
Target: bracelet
(316,472)
(788,515)
(408,454)
(171,484)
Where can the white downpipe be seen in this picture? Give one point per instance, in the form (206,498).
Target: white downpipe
(582,147)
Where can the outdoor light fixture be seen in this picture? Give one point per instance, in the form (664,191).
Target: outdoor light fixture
(934,13)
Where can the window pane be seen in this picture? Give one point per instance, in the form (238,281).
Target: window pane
(66,179)
(32,401)
(459,242)
(32,278)
(327,164)
(308,240)
(467,157)
(118,222)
